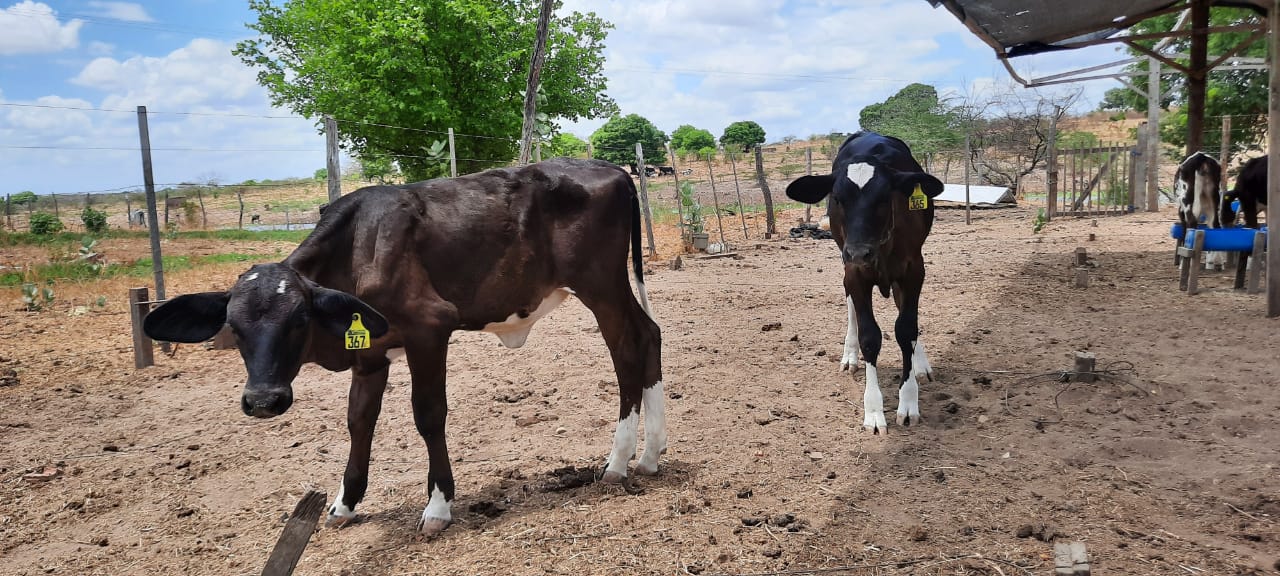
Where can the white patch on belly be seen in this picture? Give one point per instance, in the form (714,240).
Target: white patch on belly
(437,508)
(283,284)
(873,403)
(655,429)
(339,514)
(515,330)
(861,173)
(850,359)
(251,277)
(624,448)
(394,354)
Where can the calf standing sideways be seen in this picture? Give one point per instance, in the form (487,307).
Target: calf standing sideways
(393,269)
(881,211)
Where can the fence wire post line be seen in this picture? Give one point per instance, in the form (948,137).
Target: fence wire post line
(675,177)
(333,168)
(711,177)
(644,198)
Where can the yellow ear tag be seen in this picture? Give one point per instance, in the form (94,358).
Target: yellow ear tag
(917,200)
(357,334)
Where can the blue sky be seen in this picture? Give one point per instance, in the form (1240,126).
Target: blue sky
(72,72)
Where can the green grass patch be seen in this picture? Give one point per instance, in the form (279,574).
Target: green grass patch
(73,239)
(79,271)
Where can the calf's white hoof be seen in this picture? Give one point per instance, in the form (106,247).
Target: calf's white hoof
(875,423)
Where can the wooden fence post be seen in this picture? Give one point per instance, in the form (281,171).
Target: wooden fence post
(770,227)
(675,176)
(333,168)
(644,199)
(742,213)
(453,157)
(142,347)
(724,246)
(808,171)
(1051,177)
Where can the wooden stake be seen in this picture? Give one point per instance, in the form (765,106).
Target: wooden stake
(297,533)
(143,355)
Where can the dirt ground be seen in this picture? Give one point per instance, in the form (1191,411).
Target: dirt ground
(1167,465)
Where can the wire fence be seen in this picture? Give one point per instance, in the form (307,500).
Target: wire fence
(727,184)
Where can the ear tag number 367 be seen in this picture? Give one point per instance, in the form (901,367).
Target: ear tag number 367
(917,200)
(357,334)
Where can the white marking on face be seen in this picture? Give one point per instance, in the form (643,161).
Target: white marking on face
(873,402)
(438,508)
(920,361)
(251,277)
(861,173)
(339,513)
(514,331)
(655,429)
(283,285)
(850,359)
(395,353)
(624,445)
(909,402)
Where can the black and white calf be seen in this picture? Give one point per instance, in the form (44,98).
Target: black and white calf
(1250,190)
(881,211)
(1196,187)
(397,269)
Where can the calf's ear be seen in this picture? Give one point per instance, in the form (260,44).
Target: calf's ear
(189,318)
(333,308)
(810,189)
(907,182)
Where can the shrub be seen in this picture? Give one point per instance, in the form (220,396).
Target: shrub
(95,221)
(44,223)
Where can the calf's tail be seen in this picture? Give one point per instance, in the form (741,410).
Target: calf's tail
(637,258)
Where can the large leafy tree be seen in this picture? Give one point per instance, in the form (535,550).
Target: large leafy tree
(564,144)
(743,133)
(686,138)
(397,74)
(917,116)
(1241,94)
(616,140)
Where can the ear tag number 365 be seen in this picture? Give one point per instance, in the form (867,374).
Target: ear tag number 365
(917,200)
(357,334)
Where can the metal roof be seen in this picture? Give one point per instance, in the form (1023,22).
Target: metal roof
(1021,27)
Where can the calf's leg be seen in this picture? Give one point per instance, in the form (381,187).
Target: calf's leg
(914,361)
(635,344)
(427,366)
(364,403)
(869,340)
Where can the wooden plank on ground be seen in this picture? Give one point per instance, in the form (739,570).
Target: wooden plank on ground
(297,533)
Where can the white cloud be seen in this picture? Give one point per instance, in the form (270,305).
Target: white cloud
(201,73)
(33,28)
(97,48)
(126,11)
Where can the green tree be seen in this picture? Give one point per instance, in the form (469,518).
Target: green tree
(1241,94)
(95,220)
(687,139)
(918,117)
(321,174)
(565,144)
(378,168)
(616,140)
(743,133)
(378,64)
(25,197)
(44,223)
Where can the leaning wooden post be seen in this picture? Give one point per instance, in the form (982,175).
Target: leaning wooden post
(724,246)
(1051,176)
(153,223)
(1226,151)
(644,199)
(332,167)
(138,309)
(742,213)
(1153,135)
(770,227)
(296,535)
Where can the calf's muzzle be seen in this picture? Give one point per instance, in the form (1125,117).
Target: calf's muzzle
(266,402)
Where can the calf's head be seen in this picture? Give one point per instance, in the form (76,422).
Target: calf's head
(868,199)
(274,314)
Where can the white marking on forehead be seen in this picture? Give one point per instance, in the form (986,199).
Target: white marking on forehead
(283,284)
(861,173)
(251,277)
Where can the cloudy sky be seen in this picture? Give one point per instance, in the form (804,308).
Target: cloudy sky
(72,73)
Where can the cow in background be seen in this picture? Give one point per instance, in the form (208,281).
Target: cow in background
(1250,190)
(881,211)
(1196,187)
